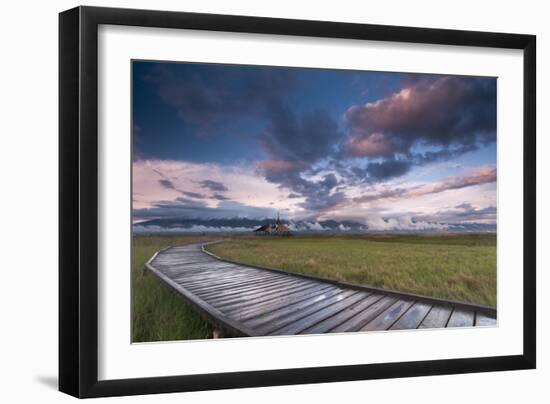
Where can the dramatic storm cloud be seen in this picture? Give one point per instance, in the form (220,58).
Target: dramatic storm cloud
(389,151)
(442,111)
(207,96)
(454,115)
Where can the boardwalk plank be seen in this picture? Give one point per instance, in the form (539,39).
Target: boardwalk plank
(484,321)
(293,290)
(256,295)
(216,284)
(363,317)
(437,317)
(461,318)
(281,318)
(254,309)
(251,290)
(198,277)
(204,277)
(219,286)
(389,316)
(318,316)
(337,319)
(413,317)
(221,280)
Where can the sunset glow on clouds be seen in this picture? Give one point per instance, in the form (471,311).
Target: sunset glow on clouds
(391,151)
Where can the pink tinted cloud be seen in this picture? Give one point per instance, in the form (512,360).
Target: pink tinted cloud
(438,111)
(373,145)
(481,175)
(416,107)
(278,166)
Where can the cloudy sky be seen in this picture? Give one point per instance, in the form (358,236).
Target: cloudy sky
(390,150)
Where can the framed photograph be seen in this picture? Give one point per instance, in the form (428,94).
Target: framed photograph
(251,201)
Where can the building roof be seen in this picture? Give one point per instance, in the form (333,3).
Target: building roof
(265,227)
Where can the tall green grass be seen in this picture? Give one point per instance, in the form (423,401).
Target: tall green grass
(158,312)
(457,267)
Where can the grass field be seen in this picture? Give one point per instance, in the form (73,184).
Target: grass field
(457,267)
(158,313)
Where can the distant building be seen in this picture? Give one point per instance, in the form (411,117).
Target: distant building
(265,229)
(277,229)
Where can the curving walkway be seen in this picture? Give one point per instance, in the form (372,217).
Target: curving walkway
(242,300)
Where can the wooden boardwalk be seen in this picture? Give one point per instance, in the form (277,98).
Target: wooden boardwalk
(242,300)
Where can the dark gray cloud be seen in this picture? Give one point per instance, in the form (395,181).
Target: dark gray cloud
(186,208)
(320,195)
(167,184)
(213,186)
(441,155)
(300,138)
(293,145)
(384,194)
(385,170)
(195,195)
(322,201)
(464,205)
(329,181)
(220,197)
(207,96)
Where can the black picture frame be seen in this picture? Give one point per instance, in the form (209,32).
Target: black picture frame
(78,200)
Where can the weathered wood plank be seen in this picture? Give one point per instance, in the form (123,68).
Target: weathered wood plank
(412,318)
(461,318)
(320,315)
(220,282)
(207,264)
(251,290)
(339,318)
(281,318)
(230,278)
(363,317)
(484,321)
(268,302)
(205,277)
(248,311)
(386,319)
(437,317)
(188,261)
(219,286)
(256,295)
(293,290)
(195,276)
